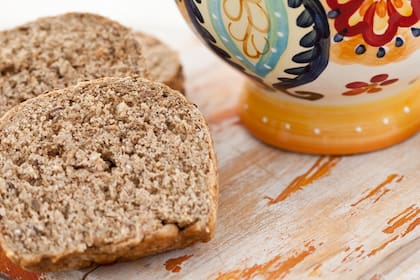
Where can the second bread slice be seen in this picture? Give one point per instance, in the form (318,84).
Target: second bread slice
(60,51)
(162,61)
(112,169)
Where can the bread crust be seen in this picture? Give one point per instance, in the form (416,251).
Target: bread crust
(169,237)
(162,61)
(130,250)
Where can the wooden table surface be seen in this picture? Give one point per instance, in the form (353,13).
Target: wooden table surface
(284,215)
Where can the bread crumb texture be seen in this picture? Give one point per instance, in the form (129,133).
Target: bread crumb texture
(102,166)
(56,52)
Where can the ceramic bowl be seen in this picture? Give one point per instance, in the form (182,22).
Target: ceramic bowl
(324,76)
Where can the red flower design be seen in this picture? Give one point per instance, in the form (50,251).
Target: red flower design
(375,85)
(377,20)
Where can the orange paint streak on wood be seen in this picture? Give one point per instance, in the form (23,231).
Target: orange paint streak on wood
(409,209)
(250,272)
(320,169)
(272,270)
(221,116)
(381,195)
(380,248)
(408,216)
(378,190)
(174,265)
(315,271)
(396,222)
(12,270)
(376,277)
(285,267)
(411,227)
(347,257)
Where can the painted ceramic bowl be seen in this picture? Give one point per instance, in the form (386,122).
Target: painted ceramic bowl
(325,76)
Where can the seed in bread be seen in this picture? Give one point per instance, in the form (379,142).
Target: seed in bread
(112,169)
(56,52)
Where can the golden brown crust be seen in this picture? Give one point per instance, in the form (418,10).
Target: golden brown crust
(214,192)
(178,81)
(167,238)
(162,61)
(150,245)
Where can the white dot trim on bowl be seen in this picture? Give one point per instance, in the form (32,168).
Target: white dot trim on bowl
(224,39)
(273,50)
(214,16)
(280,34)
(317,131)
(240,58)
(268,66)
(277,14)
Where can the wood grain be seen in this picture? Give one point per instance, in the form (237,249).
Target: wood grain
(285,215)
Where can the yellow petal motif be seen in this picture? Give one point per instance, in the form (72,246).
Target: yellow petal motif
(248,24)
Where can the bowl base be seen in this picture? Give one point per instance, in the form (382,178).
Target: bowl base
(332,130)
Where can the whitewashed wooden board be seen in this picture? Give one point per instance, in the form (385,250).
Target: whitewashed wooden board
(285,215)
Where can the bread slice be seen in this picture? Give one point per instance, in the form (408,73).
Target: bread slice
(112,169)
(162,61)
(56,52)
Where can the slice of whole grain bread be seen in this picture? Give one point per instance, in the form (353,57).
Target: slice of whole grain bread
(112,169)
(162,61)
(56,52)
